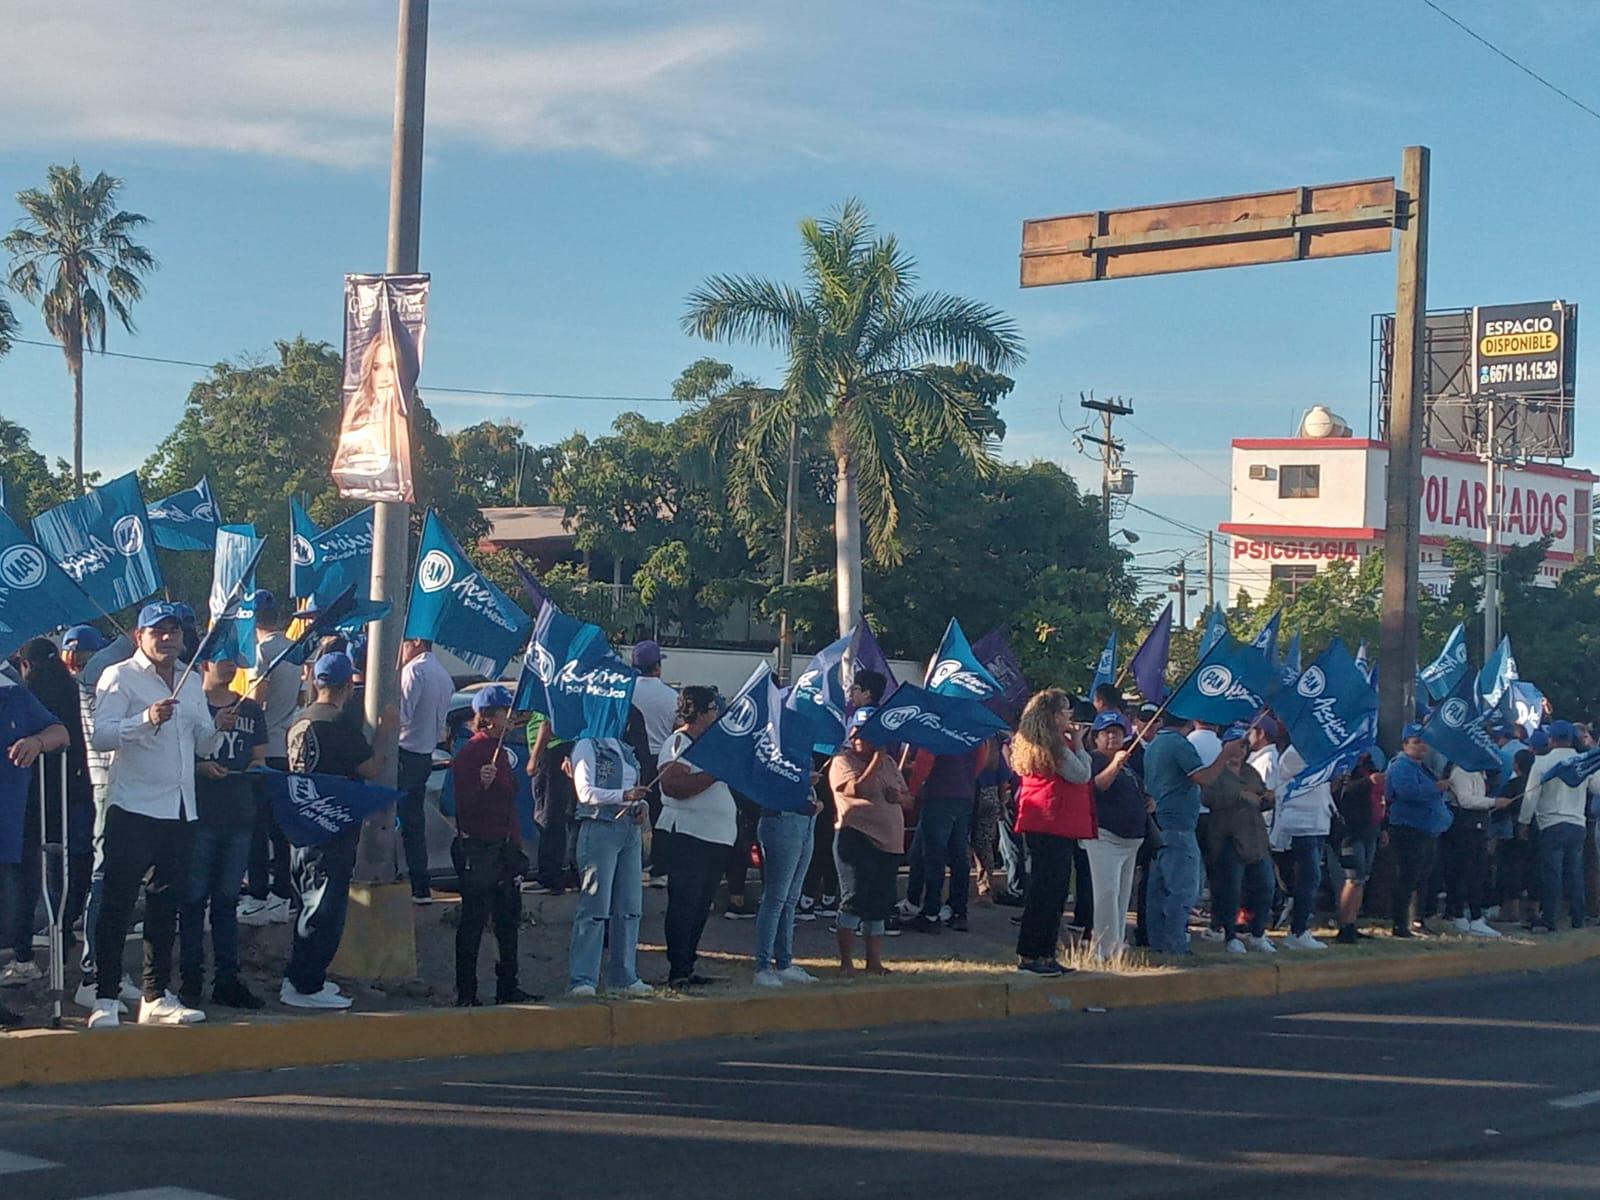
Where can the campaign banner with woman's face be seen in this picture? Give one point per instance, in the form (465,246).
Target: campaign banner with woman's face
(385,321)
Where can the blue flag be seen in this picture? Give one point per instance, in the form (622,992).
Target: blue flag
(186,520)
(1105,667)
(867,655)
(1364,660)
(1457,730)
(323,562)
(232,636)
(1229,684)
(1291,656)
(1148,666)
(454,605)
(1575,770)
(759,747)
(314,808)
(1440,677)
(1267,640)
(819,693)
(1216,627)
(1497,676)
(931,721)
(994,652)
(1523,704)
(570,674)
(956,671)
(1341,761)
(530,584)
(35,594)
(102,540)
(1327,706)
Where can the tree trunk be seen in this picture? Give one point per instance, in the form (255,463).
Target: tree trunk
(75,365)
(847,539)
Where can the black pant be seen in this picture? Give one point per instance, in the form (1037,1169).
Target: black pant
(493,897)
(322,881)
(554,800)
(738,854)
(822,876)
(693,867)
(1465,846)
(1082,889)
(1414,852)
(136,845)
(1048,885)
(269,849)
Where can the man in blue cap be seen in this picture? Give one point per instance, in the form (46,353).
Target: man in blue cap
(1558,808)
(322,742)
(150,809)
(1417,816)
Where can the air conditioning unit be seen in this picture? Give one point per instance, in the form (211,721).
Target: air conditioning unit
(1260,471)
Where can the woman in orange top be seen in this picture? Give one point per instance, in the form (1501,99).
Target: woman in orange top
(870,796)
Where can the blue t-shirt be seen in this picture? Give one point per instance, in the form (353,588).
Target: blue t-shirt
(21,715)
(1168,763)
(231,801)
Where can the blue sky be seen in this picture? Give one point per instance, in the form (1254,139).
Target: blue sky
(589,163)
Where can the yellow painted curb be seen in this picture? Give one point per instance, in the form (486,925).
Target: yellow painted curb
(36,1057)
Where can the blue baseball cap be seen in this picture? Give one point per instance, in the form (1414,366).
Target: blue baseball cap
(1538,740)
(1107,719)
(86,638)
(495,696)
(334,669)
(1563,730)
(1413,730)
(185,614)
(157,611)
(263,601)
(647,654)
(859,718)
(1233,733)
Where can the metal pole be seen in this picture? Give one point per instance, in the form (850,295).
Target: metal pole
(1491,548)
(1182,572)
(1107,450)
(392,524)
(791,503)
(1403,499)
(1211,572)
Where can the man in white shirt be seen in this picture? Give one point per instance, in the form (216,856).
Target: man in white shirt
(154,730)
(426,691)
(1560,809)
(267,880)
(656,700)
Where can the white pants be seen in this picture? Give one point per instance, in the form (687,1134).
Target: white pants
(1111,862)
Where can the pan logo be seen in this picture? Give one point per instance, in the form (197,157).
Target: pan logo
(544,663)
(1453,712)
(128,533)
(1214,681)
(22,567)
(435,571)
(1312,683)
(740,720)
(300,551)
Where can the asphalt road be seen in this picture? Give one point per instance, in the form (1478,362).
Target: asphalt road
(1459,1089)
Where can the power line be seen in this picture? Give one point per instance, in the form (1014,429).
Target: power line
(1521,66)
(425,388)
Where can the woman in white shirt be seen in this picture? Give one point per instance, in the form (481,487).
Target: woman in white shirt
(1300,825)
(1465,848)
(698,823)
(611,808)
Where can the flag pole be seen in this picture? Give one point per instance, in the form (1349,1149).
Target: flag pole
(1198,663)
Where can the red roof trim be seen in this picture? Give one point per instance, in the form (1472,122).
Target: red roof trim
(1321,532)
(1354,443)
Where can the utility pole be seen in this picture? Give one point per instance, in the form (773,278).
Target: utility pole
(1110,449)
(1491,541)
(381,939)
(1181,571)
(1211,570)
(791,501)
(1403,497)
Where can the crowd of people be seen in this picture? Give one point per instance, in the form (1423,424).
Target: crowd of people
(1085,812)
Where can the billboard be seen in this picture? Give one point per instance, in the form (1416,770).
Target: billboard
(1519,349)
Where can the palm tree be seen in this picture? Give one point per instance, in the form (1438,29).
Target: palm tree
(8,326)
(73,253)
(864,351)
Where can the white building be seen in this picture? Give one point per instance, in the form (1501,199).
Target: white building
(1301,503)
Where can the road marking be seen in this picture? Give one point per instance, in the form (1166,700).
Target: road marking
(1581,1100)
(160,1193)
(13,1164)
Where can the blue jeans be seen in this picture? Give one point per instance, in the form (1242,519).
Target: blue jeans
(1174,887)
(1306,853)
(1240,882)
(945,827)
(216,867)
(97,881)
(412,811)
(611,863)
(786,840)
(1561,872)
(321,876)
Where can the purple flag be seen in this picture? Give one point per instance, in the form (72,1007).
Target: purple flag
(867,655)
(994,653)
(532,586)
(1149,663)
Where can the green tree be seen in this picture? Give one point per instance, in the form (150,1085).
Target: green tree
(31,486)
(8,326)
(497,466)
(74,254)
(862,346)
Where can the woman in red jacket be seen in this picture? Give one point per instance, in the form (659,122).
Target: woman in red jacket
(488,850)
(1055,807)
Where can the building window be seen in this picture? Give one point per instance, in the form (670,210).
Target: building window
(1292,578)
(1299,483)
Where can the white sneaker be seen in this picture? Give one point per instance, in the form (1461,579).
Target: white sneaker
(1492,913)
(253,912)
(582,991)
(795,973)
(278,910)
(1262,944)
(945,914)
(15,974)
(906,909)
(636,989)
(1234,946)
(1213,935)
(168,1010)
(1461,925)
(103,1014)
(85,997)
(1482,928)
(329,997)
(768,979)
(421,901)
(129,992)
(1304,941)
